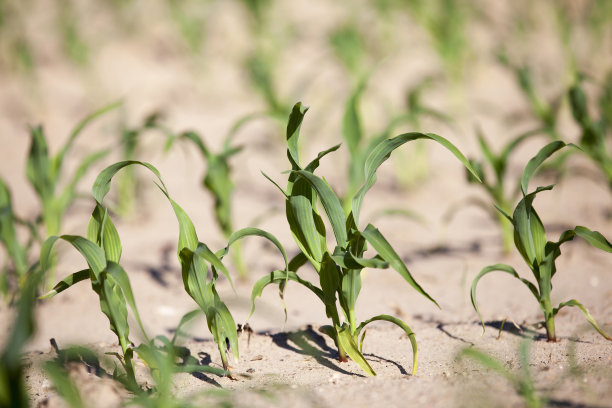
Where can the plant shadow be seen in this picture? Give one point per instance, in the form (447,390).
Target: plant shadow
(309,342)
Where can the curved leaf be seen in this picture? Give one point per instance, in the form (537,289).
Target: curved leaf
(251,231)
(537,160)
(101,185)
(93,254)
(594,238)
(585,312)
(402,325)
(498,268)
(279,277)
(384,249)
(381,152)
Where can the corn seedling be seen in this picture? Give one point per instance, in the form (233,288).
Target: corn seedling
(340,270)
(188,18)
(13,392)
(540,254)
(594,131)
(17,254)
(195,258)
(545,111)
(44,173)
(73,43)
(413,166)
(163,361)
(218,182)
(349,46)
(359,145)
(496,187)
(131,140)
(102,249)
(521,381)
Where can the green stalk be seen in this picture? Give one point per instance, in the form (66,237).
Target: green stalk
(549,319)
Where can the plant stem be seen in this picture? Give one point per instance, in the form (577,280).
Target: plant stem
(549,319)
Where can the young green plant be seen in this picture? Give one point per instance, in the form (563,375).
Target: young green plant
(195,258)
(217,180)
(339,270)
(17,254)
(594,131)
(540,254)
(521,381)
(496,187)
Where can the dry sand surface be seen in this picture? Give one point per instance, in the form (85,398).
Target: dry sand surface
(291,363)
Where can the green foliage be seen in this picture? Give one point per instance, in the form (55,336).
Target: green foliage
(521,381)
(45,172)
(17,254)
(13,391)
(217,180)
(349,46)
(545,111)
(190,19)
(594,131)
(496,187)
(339,270)
(539,254)
(131,142)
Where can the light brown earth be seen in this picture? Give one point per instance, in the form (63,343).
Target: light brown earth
(291,363)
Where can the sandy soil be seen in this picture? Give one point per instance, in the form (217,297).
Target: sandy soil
(290,363)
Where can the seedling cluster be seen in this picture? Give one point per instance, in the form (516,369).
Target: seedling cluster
(334,246)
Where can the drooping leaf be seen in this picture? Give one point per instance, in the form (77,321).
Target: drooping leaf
(585,312)
(93,254)
(498,268)
(381,152)
(399,323)
(384,249)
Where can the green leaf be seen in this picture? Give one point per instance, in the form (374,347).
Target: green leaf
(187,317)
(402,325)
(594,238)
(102,231)
(279,277)
(121,278)
(306,227)
(331,204)
(93,254)
(67,282)
(79,127)
(352,131)
(498,268)
(246,232)
(384,249)
(381,152)
(530,235)
(349,261)
(101,185)
(585,312)
(330,281)
(347,343)
(113,305)
(537,160)
(293,133)
(38,166)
